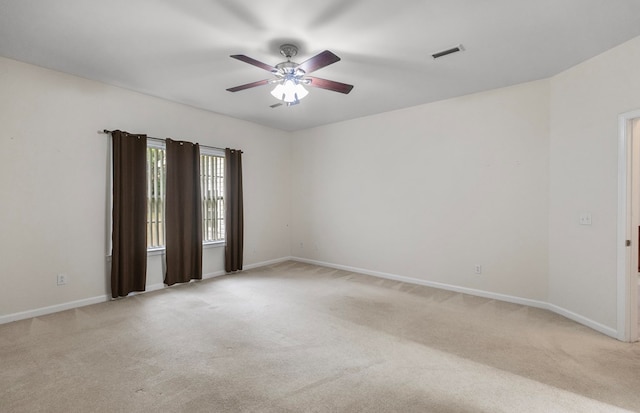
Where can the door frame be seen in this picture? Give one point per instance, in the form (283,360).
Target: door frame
(627,290)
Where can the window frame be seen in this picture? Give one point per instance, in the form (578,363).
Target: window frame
(207,151)
(152,143)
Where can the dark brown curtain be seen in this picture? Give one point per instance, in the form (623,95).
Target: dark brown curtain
(234,219)
(129,235)
(183,221)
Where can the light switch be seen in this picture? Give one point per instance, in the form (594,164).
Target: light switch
(585,219)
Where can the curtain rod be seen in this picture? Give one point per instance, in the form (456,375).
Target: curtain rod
(106,131)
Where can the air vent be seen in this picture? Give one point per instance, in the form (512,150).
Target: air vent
(443,53)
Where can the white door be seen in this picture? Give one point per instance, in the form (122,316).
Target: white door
(628,225)
(634,284)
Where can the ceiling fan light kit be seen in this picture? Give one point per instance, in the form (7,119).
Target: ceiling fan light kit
(289,91)
(291,77)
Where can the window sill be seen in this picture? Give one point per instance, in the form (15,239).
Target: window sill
(160,251)
(213,244)
(205,245)
(155,251)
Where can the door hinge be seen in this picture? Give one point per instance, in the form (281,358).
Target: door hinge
(628,243)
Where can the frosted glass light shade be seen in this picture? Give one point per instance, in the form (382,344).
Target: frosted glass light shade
(289,91)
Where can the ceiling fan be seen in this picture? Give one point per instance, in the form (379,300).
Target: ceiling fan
(290,77)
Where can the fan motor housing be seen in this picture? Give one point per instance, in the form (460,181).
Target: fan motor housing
(287,67)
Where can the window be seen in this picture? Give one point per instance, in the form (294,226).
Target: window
(212,193)
(156,180)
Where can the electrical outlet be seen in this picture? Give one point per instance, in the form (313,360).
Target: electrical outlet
(478,269)
(61,279)
(585,219)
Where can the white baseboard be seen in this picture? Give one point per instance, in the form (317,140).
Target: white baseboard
(480,293)
(584,321)
(53,309)
(37,312)
(264,263)
(161,286)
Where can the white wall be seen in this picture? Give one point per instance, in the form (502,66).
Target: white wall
(53,180)
(496,178)
(430,191)
(585,103)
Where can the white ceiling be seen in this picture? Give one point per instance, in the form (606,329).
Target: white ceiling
(179,50)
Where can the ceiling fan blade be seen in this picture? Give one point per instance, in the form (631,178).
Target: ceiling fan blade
(275,105)
(254,62)
(329,84)
(248,85)
(318,61)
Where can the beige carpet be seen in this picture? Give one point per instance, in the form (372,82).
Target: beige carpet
(300,338)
